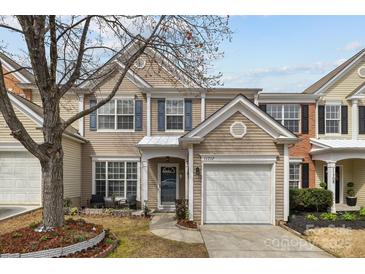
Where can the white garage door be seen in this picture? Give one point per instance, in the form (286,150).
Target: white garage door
(20,178)
(237,194)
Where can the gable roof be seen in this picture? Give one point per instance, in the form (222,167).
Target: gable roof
(248,109)
(23,75)
(35,113)
(334,74)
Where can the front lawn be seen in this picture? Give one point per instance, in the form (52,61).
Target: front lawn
(136,240)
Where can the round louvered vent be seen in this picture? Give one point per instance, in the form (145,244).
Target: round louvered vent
(140,63)
(361,72)
(238,129)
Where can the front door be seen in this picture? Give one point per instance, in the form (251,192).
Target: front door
(338,182)
(168,183)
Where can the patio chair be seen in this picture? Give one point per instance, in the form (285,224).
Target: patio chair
(132,201)
(97,201)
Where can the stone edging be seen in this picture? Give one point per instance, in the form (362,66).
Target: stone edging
(108,250)
(60,251)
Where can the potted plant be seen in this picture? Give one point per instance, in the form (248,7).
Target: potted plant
(351,200)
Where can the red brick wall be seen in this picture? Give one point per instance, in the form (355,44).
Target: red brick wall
(303,146)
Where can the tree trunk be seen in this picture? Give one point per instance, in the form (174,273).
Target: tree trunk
(52,172)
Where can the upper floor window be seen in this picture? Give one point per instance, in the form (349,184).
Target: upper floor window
(286,114)
(117,114)
(174,114)
(294,175)
(333,118)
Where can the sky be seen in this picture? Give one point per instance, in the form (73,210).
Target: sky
(280,53)
(288,53)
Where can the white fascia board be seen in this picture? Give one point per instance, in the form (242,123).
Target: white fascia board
(27,111)
(246,108)
(137,80)
(17,74)
(287,98)
(322,89)
(115,158)
(359,94)
(318,143)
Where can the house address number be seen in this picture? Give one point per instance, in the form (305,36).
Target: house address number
(208,158)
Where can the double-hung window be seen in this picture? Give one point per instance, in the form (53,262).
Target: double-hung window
(294,175)
(118,114)
(115,178)
(333,118)
(174,114)
(286,114)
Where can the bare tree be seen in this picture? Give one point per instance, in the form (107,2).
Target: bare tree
(65,52)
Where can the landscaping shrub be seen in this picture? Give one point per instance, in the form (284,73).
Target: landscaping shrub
(311,217)
(347,216)
(362,211)
(310,199)
(328,216)
(182,211)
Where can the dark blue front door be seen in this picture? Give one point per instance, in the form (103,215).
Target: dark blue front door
(168,184)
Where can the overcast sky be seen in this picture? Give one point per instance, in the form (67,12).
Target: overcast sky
(279,53)
(288,53)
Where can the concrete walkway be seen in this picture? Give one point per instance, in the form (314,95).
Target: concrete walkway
(256,241)
(9,211)
(163,225)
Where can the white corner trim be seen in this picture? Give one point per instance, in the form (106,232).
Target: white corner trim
(144,184)
(286,182)
(355,119)
(81,120)
(148,114)
(202,107)
(191,182)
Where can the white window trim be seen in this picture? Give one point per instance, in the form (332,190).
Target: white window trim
(107,160)
(325,119)
(283,116)
(115,100)
(300,172)
(183,115)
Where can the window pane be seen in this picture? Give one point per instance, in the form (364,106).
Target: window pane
(116,188)
(108,108)
(131,188)
(116,179)
(100,176)
(292,125)
(125,106)
(100,187)
(125,122)
(106,122)
(291,111)
(294,175)
(131,178)
(333,112)
(332,126)
(116,170)
(175,122)
(175,107)
(275,111)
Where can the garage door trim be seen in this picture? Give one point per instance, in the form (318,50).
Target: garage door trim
(214,159)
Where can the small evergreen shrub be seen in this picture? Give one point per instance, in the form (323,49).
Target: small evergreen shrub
(182,211)
(362,211)
(310,199)
(347,216)
(328,216)
(311,217)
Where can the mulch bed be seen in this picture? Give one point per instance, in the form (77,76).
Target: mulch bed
(187,224)
(299,222)
(26,239)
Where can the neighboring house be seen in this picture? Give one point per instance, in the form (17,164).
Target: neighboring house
(234,153)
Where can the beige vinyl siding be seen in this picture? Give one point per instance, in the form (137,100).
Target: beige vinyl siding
(153,179)
(154,118)
(72,170)
(212,105)
(358,169)
(121,144)
(256,141)
(30,126)
(339,91)
(69,105)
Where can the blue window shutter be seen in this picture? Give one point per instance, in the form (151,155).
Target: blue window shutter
(93,116)
(138,110)
(161,114)
(188,114)
(344,120)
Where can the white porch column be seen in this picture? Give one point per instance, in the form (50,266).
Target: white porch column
(144,194)
(355,119)
(202,106)
(191,178)
(186,179)
(148,114)
(331,181)
(81,120)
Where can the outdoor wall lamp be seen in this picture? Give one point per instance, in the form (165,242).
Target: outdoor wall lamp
(197,171)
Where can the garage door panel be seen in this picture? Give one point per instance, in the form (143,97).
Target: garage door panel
(20,181)
(237,193)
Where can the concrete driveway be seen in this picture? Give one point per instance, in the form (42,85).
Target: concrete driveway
(256,241)
(8,211)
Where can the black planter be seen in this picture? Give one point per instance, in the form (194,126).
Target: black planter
(351,201)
